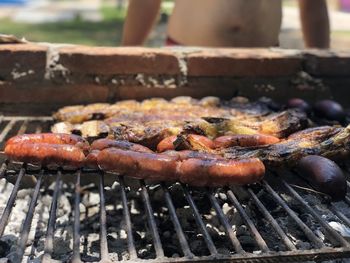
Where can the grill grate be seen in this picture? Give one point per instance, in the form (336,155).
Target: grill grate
(260,208)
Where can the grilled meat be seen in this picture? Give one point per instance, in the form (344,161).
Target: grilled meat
(202,165)
(150,121)
(330,142)
(80,113)
(181,167)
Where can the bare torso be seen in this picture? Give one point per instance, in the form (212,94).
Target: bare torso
(240,23)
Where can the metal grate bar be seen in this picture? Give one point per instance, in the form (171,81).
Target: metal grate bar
(21,130)
(340,215)
(28,118)
(131,243)
(76,230)
(28,220)
(23,127)
(206,236)
(254,232)
(3,169)
(103,220)
(52,220)
(38,129)
(10,202)
(347,200)
(180,234)
(151,221)
(6,130)
(228,229)
(272,221)
(307,231)
(334,234)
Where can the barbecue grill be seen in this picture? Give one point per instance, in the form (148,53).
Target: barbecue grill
(274,220)
(90,216)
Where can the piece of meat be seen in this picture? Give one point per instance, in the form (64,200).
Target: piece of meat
(150,121)
(209,172)
(185,142)
(50,138)
(149,134)
(124,145)
(101,144)
(80,113)
(94,129)
(45,154)
(188,154)
(244,140)
(167,144)
(91,159)
(138,164)
(194,142)
(62,127)
(172,167)
(279,124)
(330,142)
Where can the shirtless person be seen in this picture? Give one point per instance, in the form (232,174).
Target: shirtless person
(226,23)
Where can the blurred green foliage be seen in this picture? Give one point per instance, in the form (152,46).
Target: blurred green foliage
(103,33)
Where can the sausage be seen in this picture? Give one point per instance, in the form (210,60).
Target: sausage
(125,145)
(188,142)
(187,154)
(199,142)
(51,138)
(244,140)
(323,175)
(172,166)
(62,155)
(167,144)
(91,159)
(137,164)
(200,172)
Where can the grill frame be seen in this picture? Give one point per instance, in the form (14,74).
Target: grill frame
(321,253)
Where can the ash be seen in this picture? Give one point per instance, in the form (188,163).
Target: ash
(116,225)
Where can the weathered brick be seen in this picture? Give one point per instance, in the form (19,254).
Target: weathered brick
(43,93)
(243,62)
(121,60)
(327,63)
(22,62)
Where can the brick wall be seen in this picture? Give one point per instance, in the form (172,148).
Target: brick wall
(39,78)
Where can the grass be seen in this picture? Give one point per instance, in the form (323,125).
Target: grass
(104,33)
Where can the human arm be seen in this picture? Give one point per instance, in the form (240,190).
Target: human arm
(140,18)
(315,23)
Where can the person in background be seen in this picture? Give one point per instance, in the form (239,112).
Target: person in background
(226,23)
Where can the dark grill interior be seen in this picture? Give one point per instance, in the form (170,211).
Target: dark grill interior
(91,216)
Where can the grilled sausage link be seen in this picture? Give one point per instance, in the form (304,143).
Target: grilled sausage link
(51,138)
(190,142)
(210,172)
(125,145)
(61,155)
(138,165)
(99,145)
(172,166)
(91,159)
(167,144)
(244,140)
